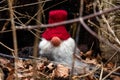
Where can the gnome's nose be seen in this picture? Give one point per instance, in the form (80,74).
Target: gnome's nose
(56,41)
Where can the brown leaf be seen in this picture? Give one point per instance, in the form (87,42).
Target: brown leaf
(88,53)
(115,77)
(20,64)
(4,61)
(1,74)
(40,66)
(60,71)
(11,75)
(110,65)
(9,67)
(90,61)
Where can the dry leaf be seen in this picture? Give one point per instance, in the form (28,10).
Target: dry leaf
(40,66)
(88,53)
(20,64)
(4,61)
(1,74)
(50,66)
(110,65)
(9,67)
(60,71)
(11,75)
(115,77)
(90,61)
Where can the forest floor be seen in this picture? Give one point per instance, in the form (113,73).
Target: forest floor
(31,68)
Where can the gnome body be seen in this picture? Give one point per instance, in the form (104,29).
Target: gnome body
(56,44)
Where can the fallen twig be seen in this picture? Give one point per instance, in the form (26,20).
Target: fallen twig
(111,72)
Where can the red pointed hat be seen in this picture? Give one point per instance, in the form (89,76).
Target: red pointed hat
(58,31)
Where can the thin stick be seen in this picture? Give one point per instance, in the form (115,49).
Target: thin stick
(100,38)
(4,26)
(36,42)
(92,45)
(98,27)
(108,25)
(101,72)
(111,57)
(10,2)
(111,72)
(31,4)
(69,21)
(77,38)
(24,15)
(6,47)
(89,73)
(84,25)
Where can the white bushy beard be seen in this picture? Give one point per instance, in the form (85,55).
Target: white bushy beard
(62,54)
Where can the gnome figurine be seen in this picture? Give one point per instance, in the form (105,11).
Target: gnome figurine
(57,44)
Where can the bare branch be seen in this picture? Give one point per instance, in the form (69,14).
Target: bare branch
(2,1)
(31,4)
(100,38)
(111,72)
(6,47)
(69,21)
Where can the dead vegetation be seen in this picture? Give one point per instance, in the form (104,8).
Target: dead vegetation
(43,69)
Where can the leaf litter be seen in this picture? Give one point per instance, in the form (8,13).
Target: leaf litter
(43,69)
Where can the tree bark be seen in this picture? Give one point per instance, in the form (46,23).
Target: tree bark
(15,53)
